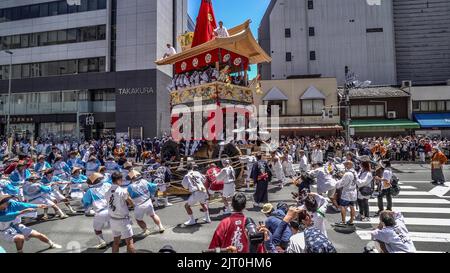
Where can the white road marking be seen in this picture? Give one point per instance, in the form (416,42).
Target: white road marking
(417,210)
(415,236)
(408,187)
(415,201)
(414,193)
(415,221)
(441,190)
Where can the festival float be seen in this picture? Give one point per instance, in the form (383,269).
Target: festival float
(213,71)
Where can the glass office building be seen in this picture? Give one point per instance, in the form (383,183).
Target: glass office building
(93,59)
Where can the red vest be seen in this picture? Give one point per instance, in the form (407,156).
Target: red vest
(211,180)
(231,232)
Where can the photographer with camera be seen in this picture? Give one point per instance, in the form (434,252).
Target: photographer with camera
(274,219)
(310,240)
(392,236)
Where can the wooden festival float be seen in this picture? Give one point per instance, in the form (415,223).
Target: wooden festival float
(211,72)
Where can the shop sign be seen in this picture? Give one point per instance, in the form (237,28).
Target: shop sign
(136,91)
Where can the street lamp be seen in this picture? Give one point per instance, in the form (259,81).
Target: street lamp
(9,91)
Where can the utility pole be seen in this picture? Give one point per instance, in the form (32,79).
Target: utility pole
(8,118)
(347,106)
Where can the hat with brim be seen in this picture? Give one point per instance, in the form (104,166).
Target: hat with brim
(167,249)
(49,171)
(133,175)
(267,208)
(94,178)
(33,177)
(73,152)
(41,157)
(75,169)
(58,157)
(127,165)
(5,198)
(101,169)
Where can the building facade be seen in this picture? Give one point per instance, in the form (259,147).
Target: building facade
(431,109)
(302,103)
(92,59)
(422,38)
(321,37)
(379,111)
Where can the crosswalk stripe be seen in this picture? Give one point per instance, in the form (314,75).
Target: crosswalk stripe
(414,182)
(415,201)
(417,210)
(415,221)
(408,187)
(415,236)
(414,193)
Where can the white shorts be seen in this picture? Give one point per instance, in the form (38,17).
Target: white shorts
(9,234)
(197,197)
(101,220)
(229,190)
(43,200)
(144,209)
(77,195)
(56,195)
(211,192)
(121,228)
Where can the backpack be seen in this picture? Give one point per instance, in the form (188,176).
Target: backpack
(395,187)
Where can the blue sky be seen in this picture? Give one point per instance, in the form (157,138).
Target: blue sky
(235,12)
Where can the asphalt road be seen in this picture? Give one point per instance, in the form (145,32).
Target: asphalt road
(427,215)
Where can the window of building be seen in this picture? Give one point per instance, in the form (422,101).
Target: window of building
(43,10)
(367,111)
(92,4)
(312,31)
(42,38)
(93,65)
(101,4)
(16,14)
(312,107)
(34,40)
(440,106)
(72,8)
(72,35)
(312,55)
(288,57)
(83,66)
(16,71)
(310,4)
(62,36)
(287,32)
(52,38)
(431,106)
(53,69)
(53,8)
(24,40)
(101,32)
(372,30)
(25,71)
(15,41)
(102,65)
(34,11)
(2,16)
(62,7)
(83,6)
(25,12)
(278,103)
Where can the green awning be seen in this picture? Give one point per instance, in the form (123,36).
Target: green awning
(384,124)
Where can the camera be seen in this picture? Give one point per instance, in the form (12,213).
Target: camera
(254,236)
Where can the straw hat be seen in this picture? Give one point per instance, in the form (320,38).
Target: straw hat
(267,208)
(101,169)
(58,157)
(40,157)
(133,175)
(5,198)
(74,169)
(94,178)
(33,177)
(127,165)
